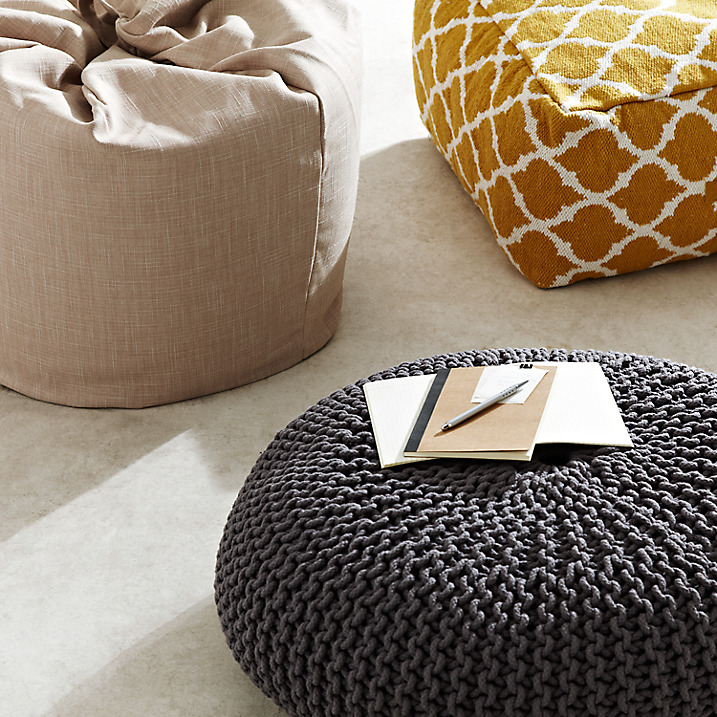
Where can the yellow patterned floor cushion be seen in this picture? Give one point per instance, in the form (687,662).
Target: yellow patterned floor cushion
(585,130)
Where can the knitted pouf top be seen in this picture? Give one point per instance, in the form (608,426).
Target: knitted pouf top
(583,582)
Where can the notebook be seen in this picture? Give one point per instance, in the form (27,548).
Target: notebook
(580,409)
(506,431)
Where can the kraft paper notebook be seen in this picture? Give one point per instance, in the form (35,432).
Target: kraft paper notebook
(580,410)
(505,431)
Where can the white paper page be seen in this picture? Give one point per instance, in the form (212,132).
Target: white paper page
(494,379)
(581,408)
(393,405)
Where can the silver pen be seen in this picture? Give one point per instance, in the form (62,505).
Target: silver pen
(483,405)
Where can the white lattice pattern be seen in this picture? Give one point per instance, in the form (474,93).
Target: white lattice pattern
(609,172)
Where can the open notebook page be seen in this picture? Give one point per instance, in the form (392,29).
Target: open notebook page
(581,408)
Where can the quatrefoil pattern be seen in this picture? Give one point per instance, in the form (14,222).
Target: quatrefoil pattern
(585,130)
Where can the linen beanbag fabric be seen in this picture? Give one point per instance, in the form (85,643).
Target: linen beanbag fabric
(585,131)
(177,187)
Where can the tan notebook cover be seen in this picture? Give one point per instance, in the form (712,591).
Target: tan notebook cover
(506,430)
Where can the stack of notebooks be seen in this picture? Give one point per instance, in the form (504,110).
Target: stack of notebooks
(560,403)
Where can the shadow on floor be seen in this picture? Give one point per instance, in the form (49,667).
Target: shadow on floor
(185,668)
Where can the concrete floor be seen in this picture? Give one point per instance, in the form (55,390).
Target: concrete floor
(110,519)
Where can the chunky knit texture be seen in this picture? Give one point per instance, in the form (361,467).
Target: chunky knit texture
(581,583)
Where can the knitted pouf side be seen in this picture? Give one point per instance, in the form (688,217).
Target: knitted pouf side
(583,582)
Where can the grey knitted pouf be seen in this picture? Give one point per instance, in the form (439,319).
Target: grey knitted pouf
(581,583)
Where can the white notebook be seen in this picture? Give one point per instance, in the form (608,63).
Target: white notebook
(581,409)
(393,405)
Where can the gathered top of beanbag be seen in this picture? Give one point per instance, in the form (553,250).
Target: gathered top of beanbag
(590,55)
(199,34)
(103,58)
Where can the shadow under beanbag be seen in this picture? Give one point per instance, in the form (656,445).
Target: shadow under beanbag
(583,582)
(177,188)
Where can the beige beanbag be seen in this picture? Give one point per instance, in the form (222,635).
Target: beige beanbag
(177,186)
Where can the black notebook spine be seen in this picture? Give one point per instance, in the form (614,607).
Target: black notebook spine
(425,414)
